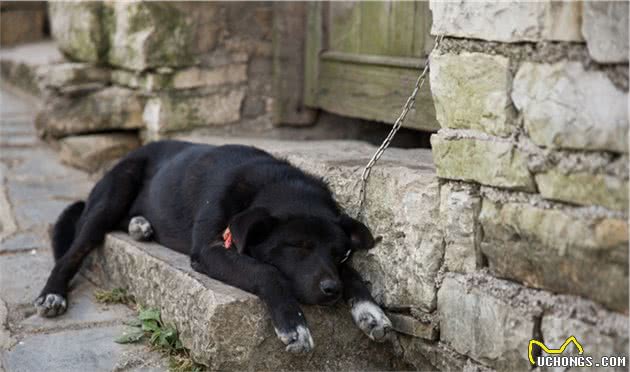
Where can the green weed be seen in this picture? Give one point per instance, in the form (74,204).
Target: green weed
(162,337)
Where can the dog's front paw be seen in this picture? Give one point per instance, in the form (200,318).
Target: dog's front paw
(50,305)
(140,229)
(371,319)
(298,340)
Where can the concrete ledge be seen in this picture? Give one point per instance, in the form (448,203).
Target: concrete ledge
(224,327)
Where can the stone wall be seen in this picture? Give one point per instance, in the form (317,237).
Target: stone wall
(532,158)
(156,68)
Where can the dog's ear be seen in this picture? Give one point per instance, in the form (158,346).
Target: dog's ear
(360,235)
(250,227)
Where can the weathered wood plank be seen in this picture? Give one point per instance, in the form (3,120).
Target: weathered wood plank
(422,40)
(401,29)
(374,26)
(344,26)
(373,92)
(289,33)
(312,49)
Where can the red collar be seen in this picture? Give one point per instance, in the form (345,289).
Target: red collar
(227,238)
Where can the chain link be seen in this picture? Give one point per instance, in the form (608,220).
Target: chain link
(397,124)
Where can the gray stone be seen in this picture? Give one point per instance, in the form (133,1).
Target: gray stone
(558,250)
(402,268)
(92,151)
(23,241)
(145,35)
(77,28)
(482,317)
(558,114)
(39,214)
(173,111)
(584,188)
(30,190)
(82,312)
(91,349)
(605,28)
(435,356)
(6,341)
(489,161)
(103,110)
(7,221)
(426,328)
(39,165)
(23,275)
(460,205)
(507,22)
(188,78)
(226,328)
(61,75)
(471,91)
(596,341)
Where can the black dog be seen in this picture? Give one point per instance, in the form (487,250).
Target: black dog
(244,218)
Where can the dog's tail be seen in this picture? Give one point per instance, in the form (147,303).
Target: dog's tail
(64,230)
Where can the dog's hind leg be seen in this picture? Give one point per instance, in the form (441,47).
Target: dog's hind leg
(107,205)
(64,230)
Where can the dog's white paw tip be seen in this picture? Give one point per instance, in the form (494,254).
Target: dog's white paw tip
(298,340)
(371,319)
(140,229)
(50,305)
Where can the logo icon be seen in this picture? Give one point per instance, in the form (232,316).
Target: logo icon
(553,351)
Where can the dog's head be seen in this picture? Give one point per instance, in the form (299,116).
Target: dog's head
(307,250)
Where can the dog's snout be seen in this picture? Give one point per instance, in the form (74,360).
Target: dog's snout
(330,287)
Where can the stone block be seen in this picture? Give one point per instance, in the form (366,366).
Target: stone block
(565,106)
(584,188)
(401,208)
(93,151)
(460,205)
(485,319)
(224,327)
(471,91)
(605,28)
(62,75)
(562,250)
(188,78)
(173,111)
(426,328)
(103,110)
(508,22)
(22,276)
(487,160)
(78,30)
(145,35)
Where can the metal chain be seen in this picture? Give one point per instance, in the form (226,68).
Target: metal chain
(397,124)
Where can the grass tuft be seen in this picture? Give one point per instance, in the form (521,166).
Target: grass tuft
(162,337)
(115,296)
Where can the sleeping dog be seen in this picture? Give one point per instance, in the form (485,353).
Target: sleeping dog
(244,217)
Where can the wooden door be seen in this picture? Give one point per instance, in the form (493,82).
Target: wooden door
(363,58)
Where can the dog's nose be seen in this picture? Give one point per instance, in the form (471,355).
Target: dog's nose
(330,287)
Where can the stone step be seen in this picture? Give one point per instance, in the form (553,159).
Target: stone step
(226,328)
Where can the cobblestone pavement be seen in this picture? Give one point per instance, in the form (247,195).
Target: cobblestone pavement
(34,188)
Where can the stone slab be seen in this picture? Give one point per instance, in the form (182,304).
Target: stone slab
(605,28)
(562,250)
(91,349)
(558,114)
(92,152)
(471,91)
(485,319)
(224,327)
(23,275)
(83,311)
(23,241)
